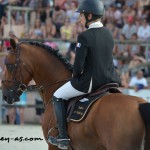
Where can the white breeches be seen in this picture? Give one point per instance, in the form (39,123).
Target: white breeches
(67,91)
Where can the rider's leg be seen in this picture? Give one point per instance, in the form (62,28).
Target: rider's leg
(63,93)
(60,112)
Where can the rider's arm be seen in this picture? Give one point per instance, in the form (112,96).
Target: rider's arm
(81,53)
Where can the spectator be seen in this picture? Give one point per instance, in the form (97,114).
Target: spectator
(20,18)
(120,3)
(120,48)
(42,8)
(144,30)
(33,5)
(22,3)
(138,82)
(50,29)
(38,32)
(11,115)
(129,28)
(143,3)
(115,30)
(59,17)
(13,18)
(113,14)
(66,30)
(77,29)
(4,112)
(133,48)
(137,24)
(3,23)
(125,78)
(121,65)
(49,12)
(70,13)
(131,2)
(21,105)
(135,62)
(129,12)
(147,12)
(3,4)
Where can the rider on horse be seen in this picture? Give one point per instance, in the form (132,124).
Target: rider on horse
(93,65)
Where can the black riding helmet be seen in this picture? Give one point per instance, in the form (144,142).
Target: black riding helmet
(95,7)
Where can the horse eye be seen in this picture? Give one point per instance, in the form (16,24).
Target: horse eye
(10,67)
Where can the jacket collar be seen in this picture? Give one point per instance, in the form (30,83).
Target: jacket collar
(96,24)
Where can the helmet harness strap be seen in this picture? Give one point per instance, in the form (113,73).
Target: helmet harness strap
(87,20)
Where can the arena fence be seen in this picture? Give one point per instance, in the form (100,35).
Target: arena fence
(63,45)
(30,107)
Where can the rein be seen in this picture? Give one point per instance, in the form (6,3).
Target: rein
(41,88)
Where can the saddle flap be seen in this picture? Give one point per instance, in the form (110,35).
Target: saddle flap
(78,109)
(78,106)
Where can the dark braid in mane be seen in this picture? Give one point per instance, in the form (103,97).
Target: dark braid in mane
(53,52)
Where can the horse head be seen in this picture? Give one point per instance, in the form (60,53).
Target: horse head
(14,83)
(33,60)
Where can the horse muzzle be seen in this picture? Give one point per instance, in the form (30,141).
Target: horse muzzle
(10,96)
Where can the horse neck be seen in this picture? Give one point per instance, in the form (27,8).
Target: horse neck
(47,69)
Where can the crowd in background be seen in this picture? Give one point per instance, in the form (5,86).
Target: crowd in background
(126,19)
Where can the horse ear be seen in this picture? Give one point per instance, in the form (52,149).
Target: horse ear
(13,44)
(13,41)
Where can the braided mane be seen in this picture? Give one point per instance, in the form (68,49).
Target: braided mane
(53,52)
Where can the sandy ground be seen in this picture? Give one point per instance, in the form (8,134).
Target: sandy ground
(27,137)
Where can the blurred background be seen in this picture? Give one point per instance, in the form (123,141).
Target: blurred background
(56,23)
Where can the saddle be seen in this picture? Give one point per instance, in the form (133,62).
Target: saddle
(78,107)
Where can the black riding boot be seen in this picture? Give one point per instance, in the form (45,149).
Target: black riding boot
(62,141)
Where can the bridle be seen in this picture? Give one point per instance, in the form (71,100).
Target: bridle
(20,86)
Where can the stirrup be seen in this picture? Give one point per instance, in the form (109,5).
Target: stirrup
(63,144)
(52,140)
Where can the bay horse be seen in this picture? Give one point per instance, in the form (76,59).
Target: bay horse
(115,122)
